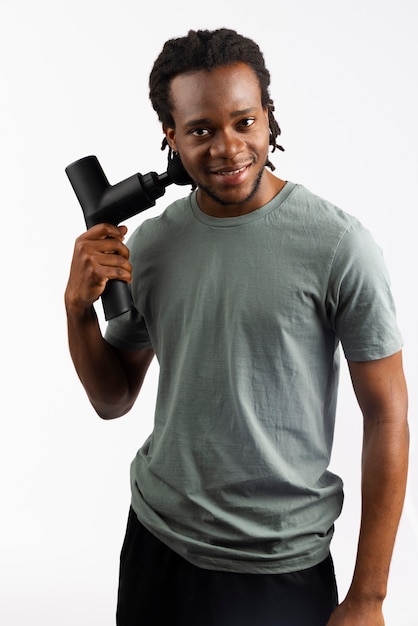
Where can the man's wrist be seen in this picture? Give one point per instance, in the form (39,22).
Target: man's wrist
(78,313)
(366,597)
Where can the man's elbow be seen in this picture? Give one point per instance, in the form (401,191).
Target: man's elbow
(111,410)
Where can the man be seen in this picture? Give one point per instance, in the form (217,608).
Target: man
(243,290)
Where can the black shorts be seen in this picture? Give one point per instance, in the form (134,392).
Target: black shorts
(157,587)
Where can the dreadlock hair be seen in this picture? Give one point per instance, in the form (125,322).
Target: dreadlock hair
(207,50)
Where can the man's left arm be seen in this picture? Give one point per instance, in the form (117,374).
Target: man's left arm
(382,396)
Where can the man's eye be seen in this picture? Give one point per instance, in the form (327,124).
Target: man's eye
(248,121)
(200,132)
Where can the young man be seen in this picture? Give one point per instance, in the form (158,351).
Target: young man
(244,291)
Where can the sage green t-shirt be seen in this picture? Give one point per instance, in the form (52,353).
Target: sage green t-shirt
(245,315)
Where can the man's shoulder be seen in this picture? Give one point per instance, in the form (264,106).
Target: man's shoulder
(173,217)
(317,212)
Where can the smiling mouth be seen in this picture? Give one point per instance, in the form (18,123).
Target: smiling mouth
(231,172)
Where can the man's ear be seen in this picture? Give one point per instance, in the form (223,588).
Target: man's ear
(170,134)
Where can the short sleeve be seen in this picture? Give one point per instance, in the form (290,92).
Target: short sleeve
(128,331)
(360,302)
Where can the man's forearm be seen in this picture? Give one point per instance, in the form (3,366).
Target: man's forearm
(384,471)
(97,365)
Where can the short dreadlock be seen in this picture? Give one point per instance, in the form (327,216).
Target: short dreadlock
(207,50)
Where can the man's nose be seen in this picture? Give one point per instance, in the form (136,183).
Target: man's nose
(226,145)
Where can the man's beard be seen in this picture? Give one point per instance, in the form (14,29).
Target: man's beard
(250,196)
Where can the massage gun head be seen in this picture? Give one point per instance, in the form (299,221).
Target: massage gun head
(105,203)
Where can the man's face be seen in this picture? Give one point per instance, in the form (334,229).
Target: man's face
(222,135)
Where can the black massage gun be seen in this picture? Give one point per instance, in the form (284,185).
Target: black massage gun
(111,204)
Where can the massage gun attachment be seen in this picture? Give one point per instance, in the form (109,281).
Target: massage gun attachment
(111,204)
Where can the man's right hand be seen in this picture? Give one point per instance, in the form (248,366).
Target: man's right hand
(99,255)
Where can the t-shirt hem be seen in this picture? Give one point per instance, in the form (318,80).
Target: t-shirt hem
(126,345)
(285,566)
(373,354)
(241,565)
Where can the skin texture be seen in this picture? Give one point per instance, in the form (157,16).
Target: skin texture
(221,132)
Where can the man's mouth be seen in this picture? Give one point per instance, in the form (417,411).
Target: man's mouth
(229,172)
(232,172)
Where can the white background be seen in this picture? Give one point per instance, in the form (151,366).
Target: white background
(74,82)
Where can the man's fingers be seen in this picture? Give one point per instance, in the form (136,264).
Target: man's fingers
(102,231)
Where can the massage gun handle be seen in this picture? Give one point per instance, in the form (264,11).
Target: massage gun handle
(116,299)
